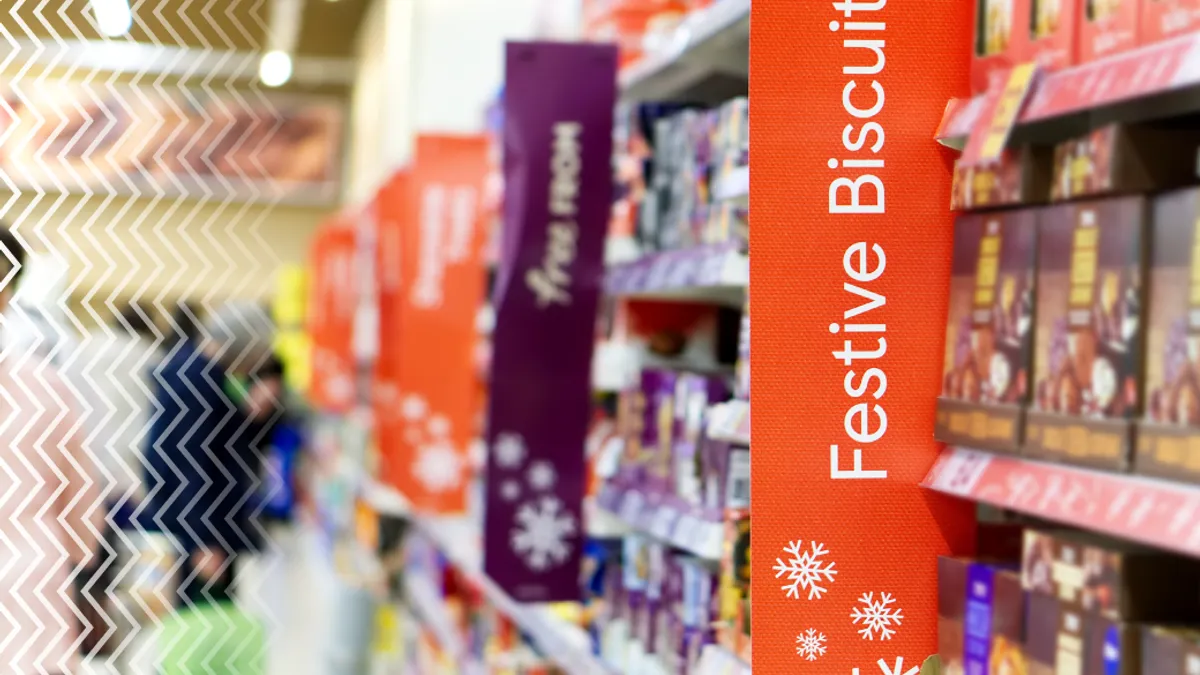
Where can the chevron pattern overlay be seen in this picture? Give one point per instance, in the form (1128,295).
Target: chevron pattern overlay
(111,240)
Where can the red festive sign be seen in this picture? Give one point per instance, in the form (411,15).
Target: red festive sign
(850,216)
(431,282)
(334,299)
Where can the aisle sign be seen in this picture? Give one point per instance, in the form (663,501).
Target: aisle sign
(429,221)
(558,122)
(849,280)
(334,299)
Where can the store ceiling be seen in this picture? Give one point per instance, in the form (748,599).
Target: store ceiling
(328,29)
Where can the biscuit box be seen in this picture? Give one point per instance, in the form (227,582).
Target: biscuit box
(1108,27)
(1020,176)
(1088,347)
(1168,437)
(1170,651)
(1162,19)
(1061,638)
(1121,582)
(981,617)
(1122,159)
(997,44)
(1052,37)
(989,333)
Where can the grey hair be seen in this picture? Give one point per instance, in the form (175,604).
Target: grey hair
(243,333)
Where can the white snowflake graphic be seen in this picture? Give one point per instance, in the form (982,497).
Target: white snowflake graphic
(885,669)
(540,536)
(877,616)
(542,476)
(805,570)
(510,450)
(414,408)
(439,426)
(438,467)
(510,490)
(810,644)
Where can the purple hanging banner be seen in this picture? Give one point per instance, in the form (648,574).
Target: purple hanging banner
(558,126)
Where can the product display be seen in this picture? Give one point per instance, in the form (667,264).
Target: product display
(989,338)
(1170,652)
(1087,363)
(1124,159)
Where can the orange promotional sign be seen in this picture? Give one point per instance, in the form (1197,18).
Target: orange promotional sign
(431,277)
(332,306)
(849,279)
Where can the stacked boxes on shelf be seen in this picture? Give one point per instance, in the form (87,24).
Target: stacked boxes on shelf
(1062,33)
(1074,603)
(670,158)
(1087,357)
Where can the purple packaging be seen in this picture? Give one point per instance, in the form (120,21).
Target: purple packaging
(656,560)
(658,425)
(694,394)
(669,634)
(636,566)
(726,476)
(558,124)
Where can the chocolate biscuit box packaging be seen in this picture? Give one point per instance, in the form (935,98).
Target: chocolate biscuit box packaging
(1168,438)
(1117,581)
(1061,639)
(1087,364)
(1170,651)
(981,617)
(989,332)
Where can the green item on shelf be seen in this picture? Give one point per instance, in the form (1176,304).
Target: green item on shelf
(216,639)
(933,666)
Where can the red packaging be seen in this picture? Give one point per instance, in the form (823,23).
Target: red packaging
(1052,34)
(1108,27)
(1162,19)
(998,27)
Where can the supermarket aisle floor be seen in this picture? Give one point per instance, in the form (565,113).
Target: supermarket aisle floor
(292,590)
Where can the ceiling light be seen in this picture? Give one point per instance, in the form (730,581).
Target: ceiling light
(275,69)
(113,17)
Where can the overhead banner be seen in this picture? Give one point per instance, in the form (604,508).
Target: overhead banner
(558,121)
(334,300)
(852,241)
(431,283)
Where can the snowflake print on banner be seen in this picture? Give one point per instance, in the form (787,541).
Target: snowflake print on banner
(805,570)
(541,475)
(414,408)
(810,644)
(878,617)
(898,669)
(438,465)
(510,490)
(510,450)
(542,533)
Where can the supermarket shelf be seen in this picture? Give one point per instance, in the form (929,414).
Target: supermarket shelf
(706,60)
(730,421)
(716,660)
(458,539)
(652,514)
(1153,512)
(717,274)
(1155,81)
(734,186)
(427,603)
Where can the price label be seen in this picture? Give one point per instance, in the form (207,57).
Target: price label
(960,472)
(713,541)
(685,531)
(664,522)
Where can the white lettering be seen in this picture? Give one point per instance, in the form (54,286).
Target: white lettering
(550,283)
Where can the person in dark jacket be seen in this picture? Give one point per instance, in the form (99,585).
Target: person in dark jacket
(201,475)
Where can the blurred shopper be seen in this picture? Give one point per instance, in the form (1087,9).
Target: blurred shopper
(50,510)
(201,477)
(113,366)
